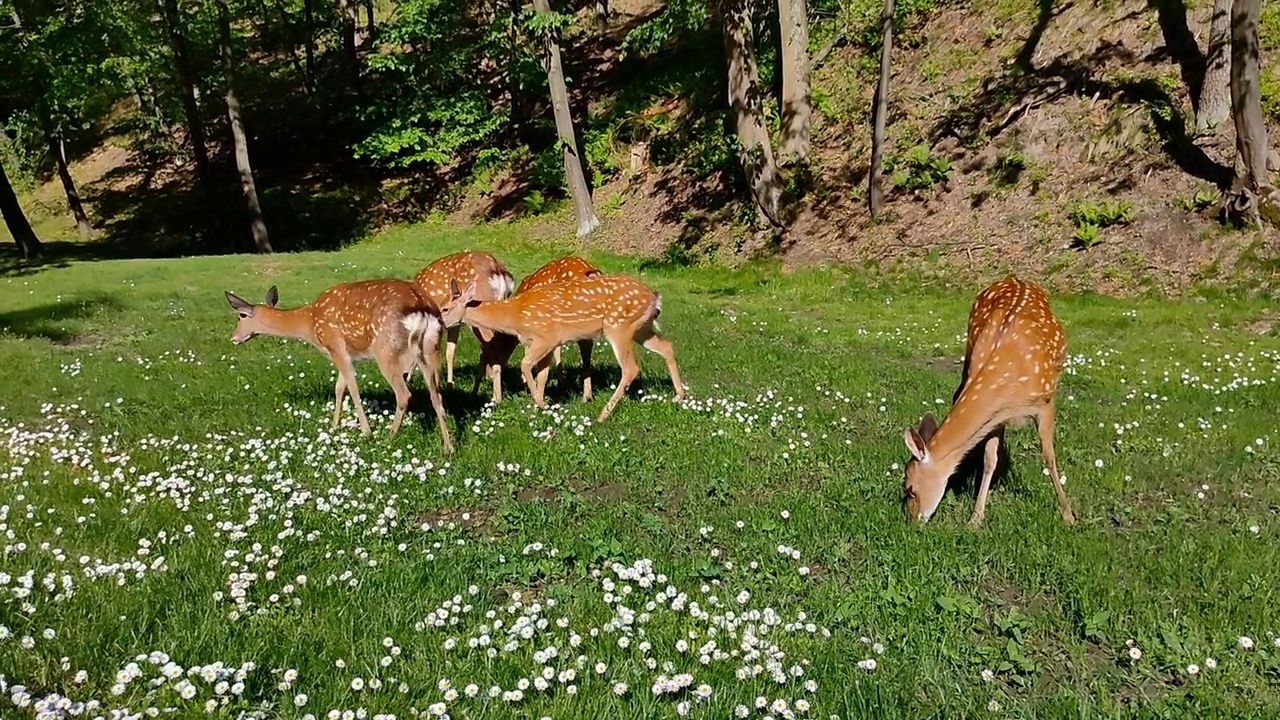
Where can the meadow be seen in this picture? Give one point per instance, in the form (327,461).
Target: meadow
(184,537)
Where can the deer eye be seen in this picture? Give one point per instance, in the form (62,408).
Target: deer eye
(244,315)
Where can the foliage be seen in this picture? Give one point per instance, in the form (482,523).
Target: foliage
(1091,217)
(917,169)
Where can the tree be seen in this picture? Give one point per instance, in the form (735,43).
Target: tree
(574,169)
(347,11)
(754,149)
(257,227)
(793,22)
(1214,103)
(1251,193)
(875,194)
(29,245)
(58,149)
(184,68)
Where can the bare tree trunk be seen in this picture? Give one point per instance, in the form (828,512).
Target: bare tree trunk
(754,149)
(29,245)
(347,16)
(368,23)
(1214,105)
(793,20)
(257,227)
(59,151)
(875,192)
(309,17)
(602,14)
(574,168)
(187,81)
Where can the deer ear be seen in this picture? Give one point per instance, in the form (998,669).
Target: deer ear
(928,426)
(453,288)
(916,444)
(469,293)
(238,303)
(273,296)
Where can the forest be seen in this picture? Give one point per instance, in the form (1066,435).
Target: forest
(733,127)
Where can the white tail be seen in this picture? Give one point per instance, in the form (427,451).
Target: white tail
(1014,356)
(494,282)
(390,321)
(620,308)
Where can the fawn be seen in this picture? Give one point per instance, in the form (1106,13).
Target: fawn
(1014,356)
(620,308)
(391,321)
(494,282)
(556,271)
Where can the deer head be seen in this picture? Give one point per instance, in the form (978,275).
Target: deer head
(453,310)
(926,480)
(250,318)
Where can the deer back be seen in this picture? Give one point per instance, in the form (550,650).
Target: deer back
(493,280)
(359,314)
(574,308)
(1015,348)
(559,270)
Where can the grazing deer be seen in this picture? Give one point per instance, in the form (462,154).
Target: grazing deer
(620,308)
(559,270)
(391,321)
(493,281)
(1014,356)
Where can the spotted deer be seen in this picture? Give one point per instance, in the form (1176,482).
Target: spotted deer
(620,308)
(559,270)
(493,282)
(1014,356)
(390,321)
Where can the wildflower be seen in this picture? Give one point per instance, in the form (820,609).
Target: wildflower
(1246,642)
(357,684)
(1210,664)
(988,676)
(300,699)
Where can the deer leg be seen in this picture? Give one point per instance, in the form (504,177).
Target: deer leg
(339,390)
(451,346)
(585,347)
(990,454)
(1045,423)
(655,343)
(345,370)
(626,354)
(535,355)
(396,379)
(431,372)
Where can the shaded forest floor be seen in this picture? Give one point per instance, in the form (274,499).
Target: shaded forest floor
(1009,122)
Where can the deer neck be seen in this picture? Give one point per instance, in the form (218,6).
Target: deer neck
(297,323)
(495,315)
(965,426)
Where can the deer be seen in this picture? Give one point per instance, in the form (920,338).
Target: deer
(559,270)
(621,309)
(1014,355)
(494,282)
(390,321)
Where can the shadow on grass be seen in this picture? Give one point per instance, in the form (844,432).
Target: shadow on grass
(47,321)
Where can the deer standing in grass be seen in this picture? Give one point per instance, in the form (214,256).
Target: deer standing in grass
(493,282)
(620,308)
(1014,356)
(391,321)
(559,270)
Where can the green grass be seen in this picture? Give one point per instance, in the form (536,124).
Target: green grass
(135,431)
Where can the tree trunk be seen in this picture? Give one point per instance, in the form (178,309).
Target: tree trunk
(257,227)
(1215,90)
(793,28)
(309,17)
(1246,109)
(347,16)
(59,150)
(875,193)
(602,14)
(574,168)
(368,24)
(754,149)
(28,244)
(187,82)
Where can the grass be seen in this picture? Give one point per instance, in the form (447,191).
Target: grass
(171,489)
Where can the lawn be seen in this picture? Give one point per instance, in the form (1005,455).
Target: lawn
(181,530)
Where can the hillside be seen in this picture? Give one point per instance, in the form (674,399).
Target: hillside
(1007,120)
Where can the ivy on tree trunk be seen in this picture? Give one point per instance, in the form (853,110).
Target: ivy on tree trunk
(745,100)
